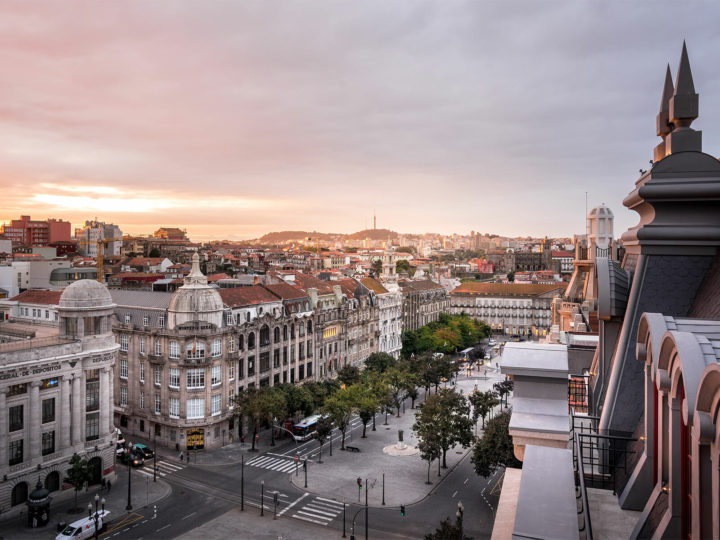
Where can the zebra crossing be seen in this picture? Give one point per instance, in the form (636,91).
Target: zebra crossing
(286,465)
(319,510)
(164,468)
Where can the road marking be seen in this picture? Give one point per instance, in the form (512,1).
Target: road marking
(453,495)
(466,481)
(161,528)
(308,519)
(135,525)
(329,500)
(314,510)
(189,515)
(293,503)
(145,521)
(124,530)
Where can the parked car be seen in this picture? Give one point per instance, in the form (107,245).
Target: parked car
(144,451)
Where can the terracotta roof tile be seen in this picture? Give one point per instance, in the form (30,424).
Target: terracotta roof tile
(247,296)
(523,289)
(38,296)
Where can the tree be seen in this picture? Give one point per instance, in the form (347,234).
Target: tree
(349,375)
(405,249)
(298,399)
(275,409)
(154,253)
(444,417)
(341,406)
(377,267)
(397,380)
(511,277)
(448,531)
(251,402)
(495,447)
(503,388)
(323,431)
(367,407)
(78,475)
(429,447)
(482,403)
(379,362)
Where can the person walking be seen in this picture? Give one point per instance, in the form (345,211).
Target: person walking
(181,456)
(103,484)
(109,485)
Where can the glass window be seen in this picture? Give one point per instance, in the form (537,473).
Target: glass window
(231,344)
(142,399)
(174,377)
(123,396)
(123,368)
(142,371)
(48,410)
(92,426)
(251,340)
(216,375)
(142,344)
(195,408)
(124,343)
(174,349)
(158,406)
(146,320)
(231,372)
(196,349)
(158,347)
(217,347)
(48,443)
(216,404)
(195,378)
(126,319)
(157,375)
(16,452)
(16,418)
(174,407)
(161,321)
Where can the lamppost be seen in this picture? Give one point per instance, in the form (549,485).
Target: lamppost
(262,498)
(459,515)
(242,482)
(129,505)
(95,516)
(155,454)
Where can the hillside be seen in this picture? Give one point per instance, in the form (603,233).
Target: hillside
(280,237)
(373,234)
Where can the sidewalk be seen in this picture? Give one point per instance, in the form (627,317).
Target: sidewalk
(405,476)
(145,493)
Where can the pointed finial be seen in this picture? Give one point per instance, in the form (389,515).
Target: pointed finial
(684,102)
(668,91)
(662,121)
(684,83)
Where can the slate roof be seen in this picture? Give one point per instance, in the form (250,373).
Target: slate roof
(150,299)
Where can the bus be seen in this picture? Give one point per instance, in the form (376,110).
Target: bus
(306,428)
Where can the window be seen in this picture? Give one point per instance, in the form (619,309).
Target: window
(174,377)
(195,378)
(309,348)
(241,372)
(146,320)
(301,329)
(264,336)
(157,375)
(309,369)
(123,368)
(276,358)
(301,373)
(309,328)
(161,321)
(48,443)
(48,410)
(158,406)
(276,333)
(92,426)
(123,396)
(142,345)
(231,372)
(301,350)
(285,332)
(174,407)
(216,375)
(126,319)
(195,408)
(217,347)
(216,399)
(16,452)
(16,418)
(251,340)
(241,342)
(285,356)
(142,399)
(264,362)
(123,343)
(251,366)
(158,347)
(231,398)
(231,344)
(142,372)
(196,349)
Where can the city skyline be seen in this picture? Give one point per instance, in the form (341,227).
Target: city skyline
(239,120)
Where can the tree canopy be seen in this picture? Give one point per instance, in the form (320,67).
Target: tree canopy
(495,447)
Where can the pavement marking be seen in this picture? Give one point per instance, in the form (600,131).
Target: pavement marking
(189,515)
(296,516)
(145,521)
(331,501)
(293,503)
(116,534)
(161,528)
(314,510)
(279,464)
(466,481)
(453,495)
(125,530)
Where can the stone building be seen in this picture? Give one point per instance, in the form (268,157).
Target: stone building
(56,395)
(363,321)
(422,302)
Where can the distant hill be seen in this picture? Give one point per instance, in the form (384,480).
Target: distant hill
(373,234)
(281,237)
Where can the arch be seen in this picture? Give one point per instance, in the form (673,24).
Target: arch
(19,494)
(95,470)
(251,340)
(276,334)
(52,481)
(682,355)
(708,396)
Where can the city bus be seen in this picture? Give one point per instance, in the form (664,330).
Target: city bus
(306,428)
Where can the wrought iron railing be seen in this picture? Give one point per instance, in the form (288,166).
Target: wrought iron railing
(581,493)
(578,394)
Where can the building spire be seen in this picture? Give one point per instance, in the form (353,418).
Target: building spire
(683,110)
(684,82)
(662,120)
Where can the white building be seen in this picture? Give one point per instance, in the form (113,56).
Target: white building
(56,396)
(88,236)
(390,303)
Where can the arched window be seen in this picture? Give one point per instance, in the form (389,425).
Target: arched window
(309,327)
(301,329)
(241,342)
(292,331)
(196,349)
(52,481)
(251,340)
(285,332)
(264,335)
(277,334)
(19,494)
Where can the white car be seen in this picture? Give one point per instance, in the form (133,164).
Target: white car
(83,528)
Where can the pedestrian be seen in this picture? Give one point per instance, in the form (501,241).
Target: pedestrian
(181,455)
(109,485)
(103,484)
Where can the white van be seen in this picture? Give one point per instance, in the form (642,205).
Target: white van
(83,528)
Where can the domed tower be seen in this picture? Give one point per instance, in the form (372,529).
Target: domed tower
(86,310)
(389,268)
(196,300)
(600,232)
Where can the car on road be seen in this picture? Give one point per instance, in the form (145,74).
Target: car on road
(84,528)
(492,342)
(144,451)
(131,457)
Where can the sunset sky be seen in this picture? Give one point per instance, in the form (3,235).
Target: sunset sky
(233,119)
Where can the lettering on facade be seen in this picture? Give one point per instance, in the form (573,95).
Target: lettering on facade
(24,373)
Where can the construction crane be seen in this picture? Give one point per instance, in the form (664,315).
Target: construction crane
(101,243)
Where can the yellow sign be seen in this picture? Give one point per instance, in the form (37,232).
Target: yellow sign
(195,438)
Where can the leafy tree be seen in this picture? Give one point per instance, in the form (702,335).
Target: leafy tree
(495,447)
(379,362)
(251,403)
(349,375)
(367,407)
(397,380)
(405,249)
(429,447)
(448,531)
(376,267)
(78,475)
(323,431)
(482,403)
(444,417)
(341,406)
(299,400)
(511,277)
(503,388)
(154,253)
(275,409)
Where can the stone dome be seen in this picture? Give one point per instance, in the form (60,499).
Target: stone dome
(601,212)
(84,294)
(196,300)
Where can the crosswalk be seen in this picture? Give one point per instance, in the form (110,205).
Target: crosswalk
(164,468)
(278,464)
(319,510)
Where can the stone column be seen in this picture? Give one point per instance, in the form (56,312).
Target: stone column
(77,407)
(35,419)
(65,424)
(3,428)
(104,402)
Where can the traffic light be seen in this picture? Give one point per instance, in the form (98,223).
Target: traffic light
(402,509)
(359,482)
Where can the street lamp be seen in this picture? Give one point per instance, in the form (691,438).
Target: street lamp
(129,505)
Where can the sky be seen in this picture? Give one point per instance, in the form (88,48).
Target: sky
(233,119)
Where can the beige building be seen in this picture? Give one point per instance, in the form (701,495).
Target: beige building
(56,394)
